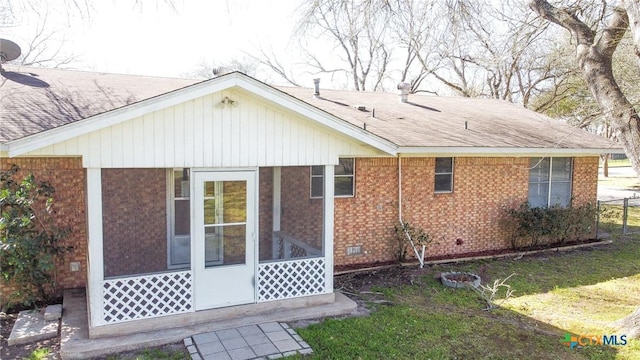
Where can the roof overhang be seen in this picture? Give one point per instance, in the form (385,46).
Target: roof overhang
(49,137)
(502,151)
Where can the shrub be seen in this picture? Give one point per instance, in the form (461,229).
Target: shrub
(29,238)
(417,235)
(537,226)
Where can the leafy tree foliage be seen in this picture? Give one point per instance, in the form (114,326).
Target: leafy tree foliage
(29,238)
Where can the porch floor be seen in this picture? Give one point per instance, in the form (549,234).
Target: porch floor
(76,344)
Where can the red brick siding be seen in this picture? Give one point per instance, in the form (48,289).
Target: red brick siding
(469,216)
(134,221)
(585,184)
(134,211)
(67,176)
(266,213)
(368,218)
(464,221)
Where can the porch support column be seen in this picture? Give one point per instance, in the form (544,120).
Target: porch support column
(277,210)
(327,229)
(95,257)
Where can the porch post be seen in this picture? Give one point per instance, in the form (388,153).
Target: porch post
(95,257)
(327,230)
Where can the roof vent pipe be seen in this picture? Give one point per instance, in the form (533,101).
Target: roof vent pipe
(404,88)
(316,87)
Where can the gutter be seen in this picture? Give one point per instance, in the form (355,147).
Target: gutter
(470,151)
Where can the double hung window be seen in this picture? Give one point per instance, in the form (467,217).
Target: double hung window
(550,181)
(344,179)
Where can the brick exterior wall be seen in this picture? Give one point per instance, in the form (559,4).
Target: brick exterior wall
(67,176)
(368,218)
(585,183)
(134,221)
(265,228)
(467,220)
(464,221)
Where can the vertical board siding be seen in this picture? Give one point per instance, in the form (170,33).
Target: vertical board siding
(169,131)
(205,133)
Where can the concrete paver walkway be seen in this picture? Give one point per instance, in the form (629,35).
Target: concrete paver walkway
(271,340)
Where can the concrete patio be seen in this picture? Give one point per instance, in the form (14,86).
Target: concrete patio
(247,331)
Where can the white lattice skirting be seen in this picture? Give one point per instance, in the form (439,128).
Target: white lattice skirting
(290,279)
(148,296)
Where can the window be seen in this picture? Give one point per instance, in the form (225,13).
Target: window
(550,182)
(343,179)
(179,219)
(444,175)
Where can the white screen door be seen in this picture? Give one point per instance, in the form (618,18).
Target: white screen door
(224,248)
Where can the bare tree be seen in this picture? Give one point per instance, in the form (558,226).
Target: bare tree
(268,59)
(207,70)
(596,43)
(358,30)
(488,49)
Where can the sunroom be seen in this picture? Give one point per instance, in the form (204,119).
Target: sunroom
(217,195)
(181,240)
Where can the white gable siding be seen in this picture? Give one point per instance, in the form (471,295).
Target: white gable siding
(203,133)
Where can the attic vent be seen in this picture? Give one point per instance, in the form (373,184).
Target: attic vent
(360,107)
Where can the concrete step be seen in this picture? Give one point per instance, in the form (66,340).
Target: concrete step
(31,326)
(53,312)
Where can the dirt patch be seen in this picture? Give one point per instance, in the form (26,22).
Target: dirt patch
(24,351)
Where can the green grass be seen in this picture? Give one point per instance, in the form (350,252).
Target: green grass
(39,354)
(579,292)
(152,354)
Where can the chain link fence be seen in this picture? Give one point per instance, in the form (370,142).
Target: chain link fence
(618,216)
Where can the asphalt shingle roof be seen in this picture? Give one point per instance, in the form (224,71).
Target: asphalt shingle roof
(33,100)
(435,121)
(38,99)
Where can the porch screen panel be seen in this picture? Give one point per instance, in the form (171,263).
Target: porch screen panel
(134,221)
(299,234)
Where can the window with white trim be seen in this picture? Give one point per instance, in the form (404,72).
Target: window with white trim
(444,175)
(179,219)
(344,179)
(550,181)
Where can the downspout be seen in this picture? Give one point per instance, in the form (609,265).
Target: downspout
(419,256)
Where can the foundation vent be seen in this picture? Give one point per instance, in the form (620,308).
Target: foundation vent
(354,250)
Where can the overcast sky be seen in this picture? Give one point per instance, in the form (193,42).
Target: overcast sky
(153,39)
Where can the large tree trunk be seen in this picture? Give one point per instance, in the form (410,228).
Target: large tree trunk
(594,56)
(629,325)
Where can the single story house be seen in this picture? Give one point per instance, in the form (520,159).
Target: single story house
(187,196)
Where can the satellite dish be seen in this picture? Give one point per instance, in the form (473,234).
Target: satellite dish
(8,50)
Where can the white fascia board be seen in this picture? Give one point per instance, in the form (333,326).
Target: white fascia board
(116,116)
(320,116)
(501,151)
